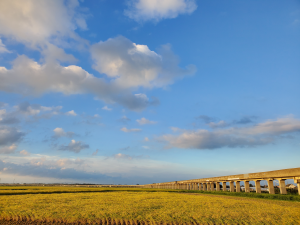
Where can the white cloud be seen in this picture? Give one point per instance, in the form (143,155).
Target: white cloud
(59,132)
(144,121)
(124,129)
(37,23)
(24,152)
(28,77)
(146,147)
(259,134)
(8,149)
(74,146)
(106,108)
(143,10)
(3,49)
(133,65)
(71,113)
(146,139)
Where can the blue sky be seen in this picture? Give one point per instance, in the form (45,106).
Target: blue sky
(142,91)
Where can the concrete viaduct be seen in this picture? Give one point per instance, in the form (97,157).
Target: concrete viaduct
(207,184)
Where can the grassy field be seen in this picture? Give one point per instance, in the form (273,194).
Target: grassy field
(140,206)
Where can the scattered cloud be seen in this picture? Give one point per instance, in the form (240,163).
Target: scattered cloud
(10,135)
(133,65)
(124,129)
(106,108)
(144,121)
(28,77)
(211,122)
(206,119)
(156,10)
(71,113)
(124,119)
(125,148)
(146,147)
(122,156)
(219,124)
(41,24)
(255,135)
(2,104)
(8,149)
(24,152)
(146,139)
(74,146)
(95,152)
(3,49)
(32,112)
(59,132)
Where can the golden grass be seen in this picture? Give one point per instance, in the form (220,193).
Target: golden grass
(131,208)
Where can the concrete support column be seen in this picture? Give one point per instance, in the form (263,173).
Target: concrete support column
(231,185)
(238,186)
(204,187)
(282,186)
(217,186)
(297,181)
(208,186)
(257,186)
(271,187)
(247,187)
(200,186)
(196,187)
(224,186)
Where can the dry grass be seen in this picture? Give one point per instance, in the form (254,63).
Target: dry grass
(130,208)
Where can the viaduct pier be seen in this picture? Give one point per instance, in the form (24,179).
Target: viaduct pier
(207,184)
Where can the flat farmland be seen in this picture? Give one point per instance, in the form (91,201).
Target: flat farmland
(36,205)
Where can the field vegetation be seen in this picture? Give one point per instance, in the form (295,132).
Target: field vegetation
(140,206)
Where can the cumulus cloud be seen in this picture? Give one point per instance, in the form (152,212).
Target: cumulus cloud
(38,23)
(71,113)
(124,129)
(8,149)
(59,132)
(10,135)
(259,134)
(28,77)
(106,108)
(143,10)
(135,65)
(144,121)
(74,146)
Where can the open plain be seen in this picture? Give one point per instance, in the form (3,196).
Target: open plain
(73,205)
